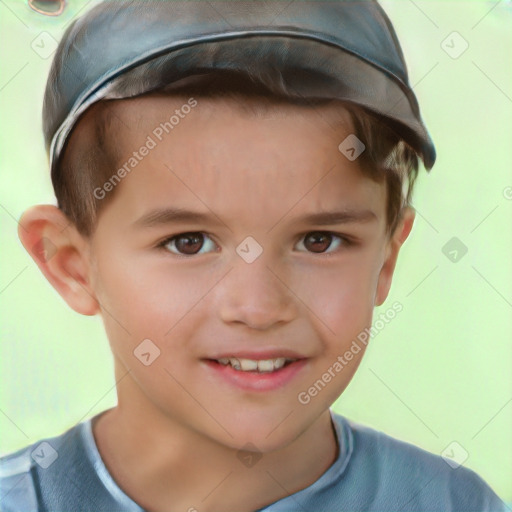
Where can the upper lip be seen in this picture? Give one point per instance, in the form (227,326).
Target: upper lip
(259,354)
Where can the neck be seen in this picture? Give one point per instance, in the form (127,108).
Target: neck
(157,461)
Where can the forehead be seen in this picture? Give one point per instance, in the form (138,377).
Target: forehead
(234,156)
(146,109)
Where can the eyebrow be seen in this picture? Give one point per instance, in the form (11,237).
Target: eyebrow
(165,216)
(338,217)
(162,216)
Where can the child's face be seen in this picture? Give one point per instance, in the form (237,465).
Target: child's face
(255,180)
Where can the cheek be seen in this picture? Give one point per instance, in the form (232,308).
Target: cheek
(340,295)
(148,297)
(134,298)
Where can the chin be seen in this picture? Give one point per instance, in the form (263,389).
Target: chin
(262,435)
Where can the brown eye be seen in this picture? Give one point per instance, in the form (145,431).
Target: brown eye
(317,241)
(187,244)
(320,241)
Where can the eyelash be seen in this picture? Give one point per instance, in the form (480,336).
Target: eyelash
(345,242)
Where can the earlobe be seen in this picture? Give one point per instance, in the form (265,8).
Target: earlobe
(61,254)
(400,235)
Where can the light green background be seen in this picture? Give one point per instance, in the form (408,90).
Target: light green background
(441,371)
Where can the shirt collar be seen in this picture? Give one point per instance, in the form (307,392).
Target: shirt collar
(344,440)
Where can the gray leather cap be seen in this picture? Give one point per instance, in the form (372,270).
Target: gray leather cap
(326,49)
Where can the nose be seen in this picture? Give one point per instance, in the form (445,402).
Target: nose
(256,295)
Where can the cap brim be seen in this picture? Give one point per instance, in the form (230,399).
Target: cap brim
(307,67)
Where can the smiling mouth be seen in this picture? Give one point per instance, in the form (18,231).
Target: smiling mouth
(253,365)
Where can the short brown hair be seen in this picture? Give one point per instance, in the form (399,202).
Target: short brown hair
(90,153)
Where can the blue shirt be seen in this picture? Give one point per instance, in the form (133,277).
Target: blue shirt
(373,472)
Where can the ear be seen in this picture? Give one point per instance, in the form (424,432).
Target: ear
(61,253)
(393,247)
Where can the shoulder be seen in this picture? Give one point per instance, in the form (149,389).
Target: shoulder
(398,474)
(17,489)
(26,474)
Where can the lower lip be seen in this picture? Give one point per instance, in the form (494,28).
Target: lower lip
(255,381)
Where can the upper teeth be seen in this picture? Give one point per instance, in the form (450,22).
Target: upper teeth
(247,365)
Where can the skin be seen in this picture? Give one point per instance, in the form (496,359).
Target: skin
(175,433)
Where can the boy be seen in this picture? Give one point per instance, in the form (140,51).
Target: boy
(255,132)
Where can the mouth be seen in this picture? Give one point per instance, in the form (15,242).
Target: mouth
(256,374)
(255,365)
